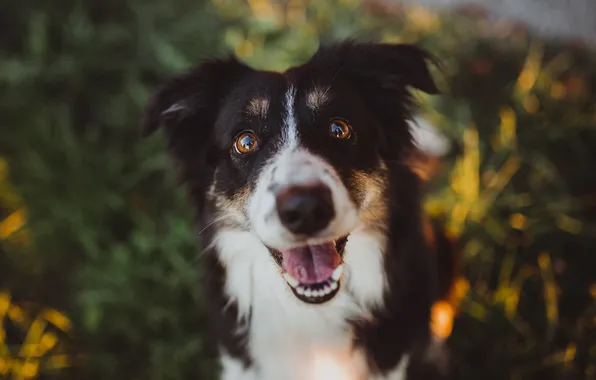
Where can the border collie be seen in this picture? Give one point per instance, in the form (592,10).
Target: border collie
(309,211)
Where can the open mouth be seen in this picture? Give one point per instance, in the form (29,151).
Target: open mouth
(313,272)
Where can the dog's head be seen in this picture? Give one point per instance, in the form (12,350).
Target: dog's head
(299,159)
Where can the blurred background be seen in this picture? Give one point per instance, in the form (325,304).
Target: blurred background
(99,277)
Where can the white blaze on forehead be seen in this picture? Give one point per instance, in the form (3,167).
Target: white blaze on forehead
(290,128)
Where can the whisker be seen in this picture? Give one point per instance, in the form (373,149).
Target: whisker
(367,208)
(408,164)
(230,217)
(216,220)
(203,252)
(332,80)
(377,225)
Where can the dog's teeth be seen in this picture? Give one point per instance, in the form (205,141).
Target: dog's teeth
(336,275)
(325,288)
(291,280)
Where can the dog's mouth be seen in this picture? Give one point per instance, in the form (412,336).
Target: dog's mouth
(313,272)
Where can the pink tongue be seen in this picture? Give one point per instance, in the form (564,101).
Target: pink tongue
(311,264)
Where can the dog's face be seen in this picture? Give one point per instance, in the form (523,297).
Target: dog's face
(299,159)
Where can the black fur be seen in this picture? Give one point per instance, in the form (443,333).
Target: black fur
(403,322)
(223,315)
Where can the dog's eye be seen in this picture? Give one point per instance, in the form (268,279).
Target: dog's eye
(339,129)
(246,142)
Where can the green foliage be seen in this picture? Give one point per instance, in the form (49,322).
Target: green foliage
(109,238)
(112,240)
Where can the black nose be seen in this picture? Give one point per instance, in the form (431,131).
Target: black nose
(305,210)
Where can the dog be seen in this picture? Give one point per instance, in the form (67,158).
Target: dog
(309,212)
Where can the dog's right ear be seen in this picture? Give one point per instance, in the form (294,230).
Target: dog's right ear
(190,102)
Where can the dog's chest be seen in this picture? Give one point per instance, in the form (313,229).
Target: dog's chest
(291,340)
(287,338)
(295,342)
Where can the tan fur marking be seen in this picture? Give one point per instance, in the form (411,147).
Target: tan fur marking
(316,98)
(235,205)
(231,209)
(373,210)
(258,107)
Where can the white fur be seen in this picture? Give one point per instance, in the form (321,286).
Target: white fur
(290,130)
(234,370)
(400,371)
(428,139)
(288,339)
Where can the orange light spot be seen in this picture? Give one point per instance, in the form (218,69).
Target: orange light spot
(518,221)
(442,319)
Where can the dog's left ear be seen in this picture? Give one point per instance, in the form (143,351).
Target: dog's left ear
(195,94)
(186,107)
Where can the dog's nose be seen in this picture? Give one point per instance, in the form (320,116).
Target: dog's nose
(305,210)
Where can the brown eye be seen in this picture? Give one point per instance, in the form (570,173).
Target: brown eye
(339,129)
(246,142)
